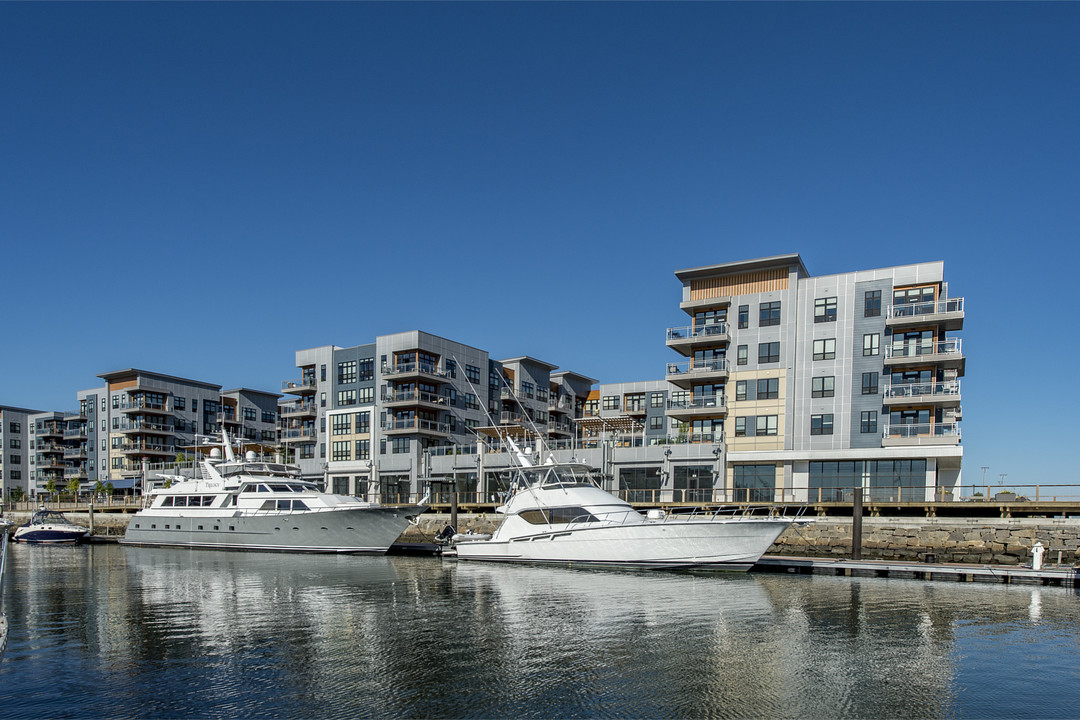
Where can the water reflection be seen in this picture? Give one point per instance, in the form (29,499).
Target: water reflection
(142,632)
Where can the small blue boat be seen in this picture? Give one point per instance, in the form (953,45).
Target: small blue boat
(49,526)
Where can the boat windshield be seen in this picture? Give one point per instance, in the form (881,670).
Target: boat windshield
(558,515)
(555,476)
(49,516)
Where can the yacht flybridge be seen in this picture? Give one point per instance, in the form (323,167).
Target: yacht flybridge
(556,513)
(249,504)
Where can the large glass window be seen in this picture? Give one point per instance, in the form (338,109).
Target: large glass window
(740,390)
(769,313)
(825,310)
(868,421)
(339,450)
(825,349)
(869,383)
(822,387)
(768,388)
(742,355)
(871,343)
(692,483)
(346,372)
(821,424)
(769,352)
(346,397)
(754,483)
(640,484)
(872,303)
(744,316)
(887,480)
(765,425)
(341,425)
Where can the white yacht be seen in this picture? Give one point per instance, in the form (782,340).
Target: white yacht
(249,504)
(556,513)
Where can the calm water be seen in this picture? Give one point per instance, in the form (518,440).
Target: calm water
(106,631)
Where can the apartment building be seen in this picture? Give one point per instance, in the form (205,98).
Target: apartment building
(807,385)
(16,451)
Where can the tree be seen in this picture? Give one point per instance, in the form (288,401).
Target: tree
(73,487)
(50,486)
(16,494)
(109,487)
(99,488)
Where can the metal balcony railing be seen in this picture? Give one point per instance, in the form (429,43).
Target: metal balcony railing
(416,424)
(939,307)
(699,366)
(934,389)
(918,348)
(415,396)
(697,403)
(694,332)
(921,430)
(307,383)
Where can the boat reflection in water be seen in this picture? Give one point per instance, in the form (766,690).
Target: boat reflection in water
(151,632)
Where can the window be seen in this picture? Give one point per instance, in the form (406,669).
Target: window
(365,369)
(527,389)
(15,427)
(339,450)
(322,450)
(399,445)
(869,383)
(346,397)
(656,422)
(611,402)
(740,389)
(742,355)
(268,416)
(765,425)
(341,425)
(768,388)
(825,310)
(542,393)
(872,303)
(180,403)
(823,386)
(346,372)
(15,443)
(323,367)
(740,427)
(15,459)
(821,424)
(768,352)
(365,395)
(744,316)
(363,449)
(754,483)
(769,313)
(472,402)
(250,414)
(322,400)
(656,399)
(868,421)
(825,349)
(871,344)
(451,368)
(473,373)
(194,405)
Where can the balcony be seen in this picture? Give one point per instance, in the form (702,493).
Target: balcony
(562,404)
(299,410)
(947,314)
(635,408)
(307,434)
(50,447)
(510,418)
(51,430)
(946,353)
(303,386)
(563,427)
(51,461)
(415,426)
(143,427)
(74,416)
(75,473)
(73,453)
(142,405)
(684,339)
(406,371)
(414,398)
(939,394)
(75,433)
(685,374)
(145,448)
(698,407)
(921,434)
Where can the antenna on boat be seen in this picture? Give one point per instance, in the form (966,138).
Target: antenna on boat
(230,456)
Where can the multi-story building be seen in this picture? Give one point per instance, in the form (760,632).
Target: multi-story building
(808,385)
(16,451)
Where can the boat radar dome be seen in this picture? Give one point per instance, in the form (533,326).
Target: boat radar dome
(215,454)
(250,456)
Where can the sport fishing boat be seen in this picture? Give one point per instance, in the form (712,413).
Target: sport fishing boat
(49,526)
(556,513)
(249,504)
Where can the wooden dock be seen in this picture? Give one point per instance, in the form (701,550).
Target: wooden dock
(1064,576)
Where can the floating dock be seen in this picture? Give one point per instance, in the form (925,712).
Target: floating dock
(1065,576)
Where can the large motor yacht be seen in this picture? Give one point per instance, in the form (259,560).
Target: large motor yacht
(249,504)
(556,513)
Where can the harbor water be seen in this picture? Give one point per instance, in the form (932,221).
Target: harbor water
(126,632)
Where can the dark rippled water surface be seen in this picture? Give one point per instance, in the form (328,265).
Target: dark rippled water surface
(106,631)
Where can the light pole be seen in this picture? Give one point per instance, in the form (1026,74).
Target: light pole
(984,469)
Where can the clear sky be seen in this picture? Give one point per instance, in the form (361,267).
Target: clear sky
(202,189)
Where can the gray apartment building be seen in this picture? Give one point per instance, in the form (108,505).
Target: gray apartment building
(16,450)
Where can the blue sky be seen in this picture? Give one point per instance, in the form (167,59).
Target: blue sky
(202,189)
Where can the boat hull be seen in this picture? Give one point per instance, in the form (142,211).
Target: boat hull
(48,536)
(733,545)
(354,530)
